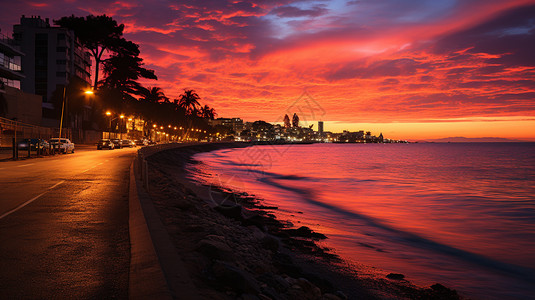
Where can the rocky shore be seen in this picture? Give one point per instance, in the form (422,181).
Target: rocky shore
(234,247)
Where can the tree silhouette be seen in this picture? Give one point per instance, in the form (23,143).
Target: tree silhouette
(295,120)
(189,101)
(287,121)
(99,34)
(207,112)
(122,72)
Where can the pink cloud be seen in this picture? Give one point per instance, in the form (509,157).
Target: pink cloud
(373,60)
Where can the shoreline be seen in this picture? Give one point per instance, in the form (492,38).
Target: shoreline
(221,234)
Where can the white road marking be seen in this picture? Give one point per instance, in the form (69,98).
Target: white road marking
(30,201)
(25,165)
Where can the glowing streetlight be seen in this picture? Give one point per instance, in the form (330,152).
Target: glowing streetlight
(89,92)
(108,113)
(154,125)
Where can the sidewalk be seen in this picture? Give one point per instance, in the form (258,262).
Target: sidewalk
(7,153)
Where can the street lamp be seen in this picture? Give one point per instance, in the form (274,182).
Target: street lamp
(108,113)
(120,128)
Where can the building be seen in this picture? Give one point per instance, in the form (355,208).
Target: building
(15,104)
(53,56)
(10,63)
(236,124)
(320,128)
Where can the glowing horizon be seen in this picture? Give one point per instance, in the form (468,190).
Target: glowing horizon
(414,69)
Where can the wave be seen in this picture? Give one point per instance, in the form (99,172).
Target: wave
(407,238)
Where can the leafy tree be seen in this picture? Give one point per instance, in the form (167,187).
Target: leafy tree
(99,34)
(122,72)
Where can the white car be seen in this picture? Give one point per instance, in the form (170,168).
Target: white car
(65,145)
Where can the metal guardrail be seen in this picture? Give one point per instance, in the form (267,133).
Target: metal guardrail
(141,164)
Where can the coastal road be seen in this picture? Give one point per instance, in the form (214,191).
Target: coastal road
(64,226)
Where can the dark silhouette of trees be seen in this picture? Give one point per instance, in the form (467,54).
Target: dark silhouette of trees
(189,101)
(99,34)
(295,120)
(122,69)
(207,112)
(287,121)
(122,72)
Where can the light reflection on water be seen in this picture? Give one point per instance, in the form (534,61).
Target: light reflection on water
(459,214)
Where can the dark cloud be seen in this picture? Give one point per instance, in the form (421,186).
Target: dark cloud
(289,11)
(382,68)
(510,37)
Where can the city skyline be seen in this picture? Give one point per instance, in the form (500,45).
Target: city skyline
(414,70)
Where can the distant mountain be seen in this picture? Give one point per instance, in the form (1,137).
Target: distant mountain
(460,139)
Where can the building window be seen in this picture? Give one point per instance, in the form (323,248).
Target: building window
(61,62)
(61,49)
(61,74)
(61,36)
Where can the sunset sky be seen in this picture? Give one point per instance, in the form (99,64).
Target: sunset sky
(409,69)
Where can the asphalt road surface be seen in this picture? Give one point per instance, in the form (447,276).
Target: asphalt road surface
(64,226)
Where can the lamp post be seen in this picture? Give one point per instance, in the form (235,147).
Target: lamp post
(64,102)
(120,127)
(108,113)
(62,110)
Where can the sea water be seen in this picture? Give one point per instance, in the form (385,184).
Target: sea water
(461,214)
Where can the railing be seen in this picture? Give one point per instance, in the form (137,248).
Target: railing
(6,39)
(10,129)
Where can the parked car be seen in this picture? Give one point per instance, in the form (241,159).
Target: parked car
(118,143)
(143,142)
(35,144)
(126,143)
(105,143)
(64,145)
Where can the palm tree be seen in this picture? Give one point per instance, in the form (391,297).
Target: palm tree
(150,106)
(153,95)
(207,112)
(189,101)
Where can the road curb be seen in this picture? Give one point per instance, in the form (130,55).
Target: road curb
(156,269)
(146,279)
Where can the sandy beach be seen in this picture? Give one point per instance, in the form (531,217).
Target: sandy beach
(234,247)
